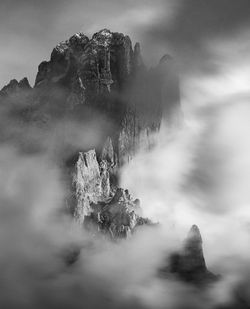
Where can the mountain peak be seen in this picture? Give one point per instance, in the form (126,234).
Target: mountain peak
(14,86)
(194,235)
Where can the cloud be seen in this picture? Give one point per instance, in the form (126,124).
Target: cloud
(195,24)
(199,174)
(196,175)
(35,235)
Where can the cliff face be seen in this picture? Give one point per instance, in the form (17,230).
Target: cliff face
(106,74)
(103,76)
(101,206)
(91,66)
(91,183)
(100,77)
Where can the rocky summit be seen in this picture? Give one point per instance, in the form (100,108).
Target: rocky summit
(102,77)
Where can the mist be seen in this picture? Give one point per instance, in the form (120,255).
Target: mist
(197,173)
(36,236)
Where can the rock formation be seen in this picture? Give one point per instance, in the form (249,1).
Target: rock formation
(84,79)
(100,205)
(118,217)
(100,77)
(103,76)
(106,74)
(15,87)
(91,183)
(189,264)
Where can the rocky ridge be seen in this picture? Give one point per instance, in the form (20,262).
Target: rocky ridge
(103,76)
(15,87)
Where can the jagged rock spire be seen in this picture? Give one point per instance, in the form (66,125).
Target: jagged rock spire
(192,256)
(189,263)
(138,61)
(90,184)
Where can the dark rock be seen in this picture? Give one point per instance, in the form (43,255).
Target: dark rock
(71,254)
(103,76)
(14,87)
(189,264)
(170,95)
(138,61)
(192,259)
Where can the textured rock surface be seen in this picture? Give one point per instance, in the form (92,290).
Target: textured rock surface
(100,205)
(91,183)
(14,87)
(89,68)
(104,72)
(117,218)
(87,79)
(103,76)
(189,264)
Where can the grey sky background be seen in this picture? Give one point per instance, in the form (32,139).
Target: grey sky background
(188,29)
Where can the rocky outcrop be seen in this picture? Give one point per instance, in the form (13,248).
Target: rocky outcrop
(87,79)
(99,204)
(14,87)
(189,264)
(117,218)
(89,66)
(103,76)
(91,184)
(106,74)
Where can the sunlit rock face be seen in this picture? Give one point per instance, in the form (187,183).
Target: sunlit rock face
(189,264)
(100,205)
(91,183)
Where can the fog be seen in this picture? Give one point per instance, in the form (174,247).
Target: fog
(198,173)
(36,236)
